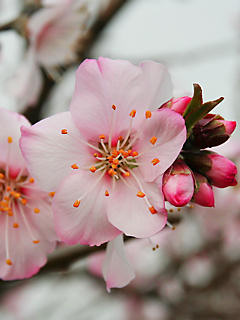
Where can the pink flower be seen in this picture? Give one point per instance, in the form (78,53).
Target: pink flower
(26,224)
(178,184)
(204,194)
(108,153)
(56,31)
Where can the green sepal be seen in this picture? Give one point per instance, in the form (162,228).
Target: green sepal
(196,110)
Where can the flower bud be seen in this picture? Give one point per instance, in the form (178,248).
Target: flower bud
(178,105)
(178,184)
(220,171)
(212,131)
(203,194)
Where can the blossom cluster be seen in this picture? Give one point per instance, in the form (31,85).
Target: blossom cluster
(105,168)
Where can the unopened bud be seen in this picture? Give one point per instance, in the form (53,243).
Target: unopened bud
(178,104)
(178,184)
(220,171)
(212,131)
(203,194)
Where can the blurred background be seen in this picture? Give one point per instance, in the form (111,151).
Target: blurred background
(194,272)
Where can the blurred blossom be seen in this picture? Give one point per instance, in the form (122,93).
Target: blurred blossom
(9,10)
(26,221)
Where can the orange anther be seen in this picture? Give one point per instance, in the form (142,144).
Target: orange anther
(153,140)
(51,194)
(155,161)
(102,136)
(152,210)
(95,155)
(120,138)
(116,161)
(15,225)
(2,176)
(76,204)
(36,210)
(10,213)
(173,228)
(10,139)
(114,166)
(115,153)
(24,201)
(111,172)
(36,241)
(114,107)
(132,113)
(15,194)
(8,188)
(134,153)
(9,262)
(64,131)
(31,180)
(93,169)
(106,193)
(140,194)
(126,174)
(148,114)
(110,158)
(6,198)
(125,154)
(129,151)
(74,166)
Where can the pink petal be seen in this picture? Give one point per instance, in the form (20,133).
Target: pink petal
(27,257)
(169,129)
(54,32)
(130,214)
(10,123)
(88,223)
(49,153)
(102,83)
(117,271)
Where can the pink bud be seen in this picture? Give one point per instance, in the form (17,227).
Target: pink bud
(180,104)
(203,194)
(178,184)
(229,126)
(223,171)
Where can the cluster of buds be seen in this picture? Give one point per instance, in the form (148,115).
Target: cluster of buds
(192,175)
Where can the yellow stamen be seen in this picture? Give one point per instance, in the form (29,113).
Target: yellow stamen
(102,136)
(153,140)
(76,204)
(152,210)
(132,113)
(31,180)
(15,225)
(93,169)
(36,210)
(51,194)
(155,161)
(9,262)
(74,166)
(140,194)
(24,201)
(134,153)
(10,139)
(2,176)
(148,114)
(36,241)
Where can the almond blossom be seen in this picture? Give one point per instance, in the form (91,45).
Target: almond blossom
(26,225)
(105,158)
